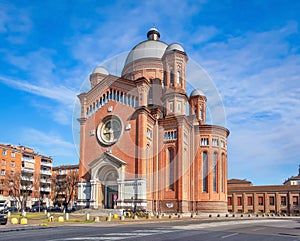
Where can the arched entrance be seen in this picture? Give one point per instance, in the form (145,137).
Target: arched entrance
(108,177)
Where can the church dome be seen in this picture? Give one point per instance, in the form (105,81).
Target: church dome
(151,48)
(100,70)
(197,92)
(175,46)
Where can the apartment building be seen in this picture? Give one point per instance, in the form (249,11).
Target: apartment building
(65,185)
(25,176)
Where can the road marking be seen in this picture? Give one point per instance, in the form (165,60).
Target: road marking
(222,223)
(229,235)
(257,229)
(120,236)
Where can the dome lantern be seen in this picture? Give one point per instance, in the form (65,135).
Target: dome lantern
(153,34)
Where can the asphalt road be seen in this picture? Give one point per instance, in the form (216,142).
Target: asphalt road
(236,230)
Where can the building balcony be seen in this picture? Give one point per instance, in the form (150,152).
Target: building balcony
(27,169)
(45,189)
(27,159)
(26,188)
(46,172)
(26,178)
(46,164)
(43,180)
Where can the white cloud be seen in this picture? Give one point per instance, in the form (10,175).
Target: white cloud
(15,21)
(60,93)
(258,75)
(50,143)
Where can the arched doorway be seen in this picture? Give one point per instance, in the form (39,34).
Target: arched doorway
(108,177)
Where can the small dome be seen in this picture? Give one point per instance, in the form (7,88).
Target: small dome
(175,46)
(197,92)
(100,70)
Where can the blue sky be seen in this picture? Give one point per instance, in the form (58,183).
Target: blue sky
(250,49)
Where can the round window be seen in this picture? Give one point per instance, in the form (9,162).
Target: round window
(109,130)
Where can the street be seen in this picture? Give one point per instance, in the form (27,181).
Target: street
(229,230)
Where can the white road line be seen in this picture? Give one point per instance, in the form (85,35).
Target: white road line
(257,229)
(229,235)
(120,236)
(218,224)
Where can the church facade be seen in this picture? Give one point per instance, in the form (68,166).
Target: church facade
(140,147)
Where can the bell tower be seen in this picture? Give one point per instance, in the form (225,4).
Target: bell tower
(174,62)
(197,103)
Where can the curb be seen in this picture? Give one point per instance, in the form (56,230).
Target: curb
(12,229)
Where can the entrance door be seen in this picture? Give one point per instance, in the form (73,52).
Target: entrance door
(112,196)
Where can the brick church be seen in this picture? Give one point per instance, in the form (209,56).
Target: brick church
(144,141)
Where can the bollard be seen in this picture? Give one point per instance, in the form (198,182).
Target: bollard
(193,215)
(87,218)
(14,221)
(50,219)
(48,215)
(170,216)
(23,221)
(45,211)
(135,217)
(96,220)
(148,216)
(108,218)
(122,218)
(67,216)
(23,214)
(8,214)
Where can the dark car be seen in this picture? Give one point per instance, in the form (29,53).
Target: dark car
(3,219)
(37,208)
(25,209)
(12,209)
(73,209)
(55,209)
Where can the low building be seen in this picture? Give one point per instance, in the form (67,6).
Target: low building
(243,197)
(25,176)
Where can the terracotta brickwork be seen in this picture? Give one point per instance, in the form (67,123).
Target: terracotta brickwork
(243,197)
(138,146)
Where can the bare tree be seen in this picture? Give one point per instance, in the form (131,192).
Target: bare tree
(64,188)
(20,187)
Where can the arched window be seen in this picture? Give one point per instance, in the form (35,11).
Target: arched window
(110,94)
(204,171)
(171,169)
(178,77)
(171,78)
(215,171)
(222,171)
(114,96)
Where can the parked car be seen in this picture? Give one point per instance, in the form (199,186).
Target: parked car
(12,209)
(37,208)
(3,219)
(73,209)
(25,209)
(55,209)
